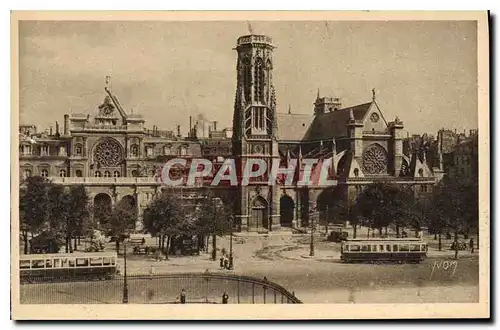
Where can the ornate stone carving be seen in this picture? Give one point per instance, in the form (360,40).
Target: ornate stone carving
(375,159)
(107,108)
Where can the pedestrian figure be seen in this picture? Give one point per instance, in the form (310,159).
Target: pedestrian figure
(265,279)
(225,297)
(183,296)
(226,263)
(221,262)
(471,244)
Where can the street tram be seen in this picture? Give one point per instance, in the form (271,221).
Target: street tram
(67,266)
(412,250)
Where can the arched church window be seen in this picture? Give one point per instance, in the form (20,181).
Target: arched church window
(421,173)
(116,174)
(167,150)
(107,174)
(135,173)
(97,174)
(356,172)
(78,173)
(44,173)
(62,173)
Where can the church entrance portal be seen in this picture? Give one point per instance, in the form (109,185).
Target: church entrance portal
(259,220)
(287,207)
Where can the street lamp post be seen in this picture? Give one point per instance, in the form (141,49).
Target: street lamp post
(311,250)
(231,245)
(125,284)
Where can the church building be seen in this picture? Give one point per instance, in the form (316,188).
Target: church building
(116,157)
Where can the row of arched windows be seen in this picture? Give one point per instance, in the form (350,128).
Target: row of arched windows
(149,151)
(44,173)
(107,174)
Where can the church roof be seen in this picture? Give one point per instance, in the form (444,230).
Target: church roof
(301,127)
(333,124)
(293,127)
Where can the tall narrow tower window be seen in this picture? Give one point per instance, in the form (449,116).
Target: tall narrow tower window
(259,80)
(259,120)
(247,78)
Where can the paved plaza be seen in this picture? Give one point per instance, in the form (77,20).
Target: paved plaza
(284,259)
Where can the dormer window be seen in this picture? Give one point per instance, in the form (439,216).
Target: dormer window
(182,151)
(44,150)
(149,151)
(167,150)
(421,173)
(134,151)
(26,150)
(62,151)
(78,150)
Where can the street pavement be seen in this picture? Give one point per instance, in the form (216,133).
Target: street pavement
(284,259)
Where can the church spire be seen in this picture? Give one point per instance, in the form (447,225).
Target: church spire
(317,96)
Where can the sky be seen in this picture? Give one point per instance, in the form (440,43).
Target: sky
(424,72)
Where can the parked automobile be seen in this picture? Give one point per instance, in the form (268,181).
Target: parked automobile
(338,235)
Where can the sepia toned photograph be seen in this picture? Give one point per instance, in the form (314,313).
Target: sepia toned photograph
(323,159)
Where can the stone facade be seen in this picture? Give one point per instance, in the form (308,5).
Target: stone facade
(114,156)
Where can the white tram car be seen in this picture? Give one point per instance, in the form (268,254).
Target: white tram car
(67,266)
(387,249)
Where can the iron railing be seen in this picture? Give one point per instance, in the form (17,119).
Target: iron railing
(158,289)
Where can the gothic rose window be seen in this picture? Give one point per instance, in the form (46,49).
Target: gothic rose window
(108,153)
(375,159)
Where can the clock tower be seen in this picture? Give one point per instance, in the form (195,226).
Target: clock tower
(255,132)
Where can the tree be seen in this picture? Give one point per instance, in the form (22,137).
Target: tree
(120,221)
(78,216)
(454,205)
(164,218)
(213,218)
(384,204)
(59,213)
(33,206)
(352,215)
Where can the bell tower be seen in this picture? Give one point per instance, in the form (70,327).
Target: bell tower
(255,131)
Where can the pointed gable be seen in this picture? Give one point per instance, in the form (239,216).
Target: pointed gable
(374,119)
(419,168)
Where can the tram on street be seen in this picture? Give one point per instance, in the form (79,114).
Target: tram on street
(67,266)
(412,250)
